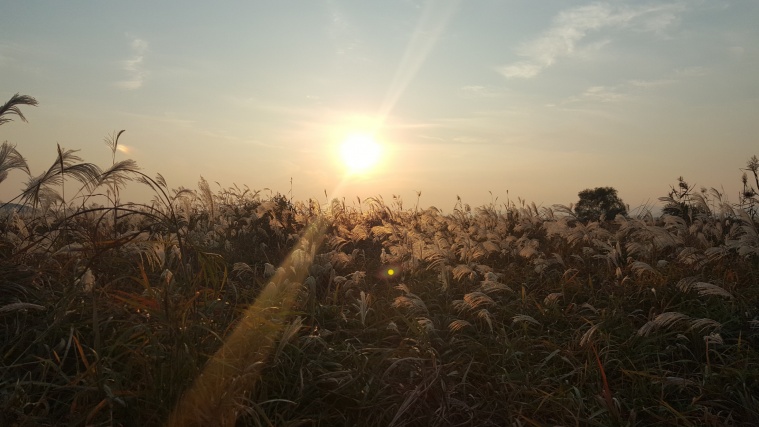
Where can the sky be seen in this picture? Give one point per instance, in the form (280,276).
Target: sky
(488,100)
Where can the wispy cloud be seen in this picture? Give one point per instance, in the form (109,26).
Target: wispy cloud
(342,33)
(696,71)
(477,91)
(604,94)
(24,59)
(651,83)
(572,26)
(625,91)
(134,66)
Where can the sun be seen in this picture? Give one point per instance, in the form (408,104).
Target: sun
(360,152)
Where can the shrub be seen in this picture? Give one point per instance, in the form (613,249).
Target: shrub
(599,203)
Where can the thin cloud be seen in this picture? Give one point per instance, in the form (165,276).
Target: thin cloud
(469,140)
(166,118)
(134,66)
(572,26)
(626,91)
(697,71)
(477,91)
(341,32)
(651,83)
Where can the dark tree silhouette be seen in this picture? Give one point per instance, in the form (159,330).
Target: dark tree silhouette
(599,203)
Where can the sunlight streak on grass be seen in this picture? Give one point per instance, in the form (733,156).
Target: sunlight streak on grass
(216,396)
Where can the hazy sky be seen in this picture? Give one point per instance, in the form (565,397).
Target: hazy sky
(538,98)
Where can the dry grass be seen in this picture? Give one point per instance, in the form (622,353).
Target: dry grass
(232,308)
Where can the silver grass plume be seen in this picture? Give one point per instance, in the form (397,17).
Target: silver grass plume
(66,165)
(11,159)
(12,107)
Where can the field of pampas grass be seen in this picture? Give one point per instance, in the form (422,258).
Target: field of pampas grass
(231,308)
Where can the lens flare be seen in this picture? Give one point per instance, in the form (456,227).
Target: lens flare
(388,272)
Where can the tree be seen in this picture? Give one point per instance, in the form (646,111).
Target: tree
(599,203)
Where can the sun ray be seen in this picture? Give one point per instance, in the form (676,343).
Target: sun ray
(430,27)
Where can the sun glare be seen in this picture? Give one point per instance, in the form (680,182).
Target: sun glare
(360,152)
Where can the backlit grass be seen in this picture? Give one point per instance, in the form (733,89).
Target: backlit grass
(238,308)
